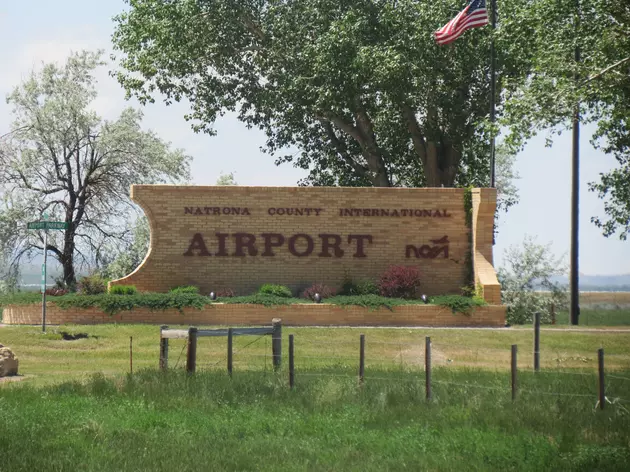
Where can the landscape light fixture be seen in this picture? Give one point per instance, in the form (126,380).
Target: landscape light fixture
(317,298)
(424,298)
(213,296)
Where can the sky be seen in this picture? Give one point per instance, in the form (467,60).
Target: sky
(36,31)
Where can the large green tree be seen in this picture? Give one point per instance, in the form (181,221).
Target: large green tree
(597,78)
(359,87)
(60,158)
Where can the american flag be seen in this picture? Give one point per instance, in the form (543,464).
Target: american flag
(473,16)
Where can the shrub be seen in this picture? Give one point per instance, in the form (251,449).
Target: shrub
(323,290)
(526,271)
(277,290)
(400,282)
(362,287)
(185,289)
(123,290)
(226,293)
(92,285)
(57,292)
(458,303)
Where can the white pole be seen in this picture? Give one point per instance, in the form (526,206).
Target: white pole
(44,282)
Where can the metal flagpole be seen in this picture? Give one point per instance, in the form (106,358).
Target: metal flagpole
(493,80)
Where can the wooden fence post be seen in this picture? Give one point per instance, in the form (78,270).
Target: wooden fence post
(537,341)
(276,343)
(361,358)
(602,392)
(131,355)
(427,366)
(291,362)
(191,354)
(163,349)
(229,351)
(514,365)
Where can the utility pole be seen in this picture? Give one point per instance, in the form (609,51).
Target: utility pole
(574,276)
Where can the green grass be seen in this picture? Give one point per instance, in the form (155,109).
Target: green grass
(79,409)
(595,317)
(48,359)
(153,422)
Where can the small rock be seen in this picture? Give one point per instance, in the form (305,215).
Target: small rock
(8,362)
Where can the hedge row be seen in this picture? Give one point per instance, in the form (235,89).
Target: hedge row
(112,304)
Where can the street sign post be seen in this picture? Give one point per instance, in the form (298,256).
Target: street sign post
(46,225)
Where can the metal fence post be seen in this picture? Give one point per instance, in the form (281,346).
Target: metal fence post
(427,366)
(600,364)
(514,367)
(361,358)
(163,349)
(537,341)
(276,343)
(229,351)
(191,354)
(291,362)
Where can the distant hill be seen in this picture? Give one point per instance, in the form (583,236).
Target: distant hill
(597,283)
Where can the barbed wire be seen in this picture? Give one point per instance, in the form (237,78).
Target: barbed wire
(474,385)
(612,376)
(224,357)
(559,394)
(180,355)
(314,374)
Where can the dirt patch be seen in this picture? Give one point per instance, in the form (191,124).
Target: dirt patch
(415,356)
(73,336)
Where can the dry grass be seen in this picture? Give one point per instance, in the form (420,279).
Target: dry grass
(49,359)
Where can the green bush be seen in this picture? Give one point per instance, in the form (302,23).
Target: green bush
(277,290)
(112,304)
(185,289)
(123,290)
(362,287)
(92,285)
(458,303)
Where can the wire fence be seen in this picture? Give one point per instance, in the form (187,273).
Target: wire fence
(432,364)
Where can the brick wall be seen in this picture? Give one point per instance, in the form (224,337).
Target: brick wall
(484,206)
(223,237)
(233,315)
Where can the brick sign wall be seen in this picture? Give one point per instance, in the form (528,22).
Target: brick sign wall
(241,237)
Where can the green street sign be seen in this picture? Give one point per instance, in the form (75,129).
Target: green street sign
(47,225)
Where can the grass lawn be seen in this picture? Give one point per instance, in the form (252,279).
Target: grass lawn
(48,359)
(153,422)
(79,409)
(598,317)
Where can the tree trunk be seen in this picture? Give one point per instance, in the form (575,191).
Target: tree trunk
(67,258)
(441,165)
(381,179)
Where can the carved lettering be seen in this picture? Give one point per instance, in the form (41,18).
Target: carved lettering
(310,245)
(197,244)
(245,240)
(331,241)
(409,249)
(440,246)
(272,240)
(222,237)
(360,238)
